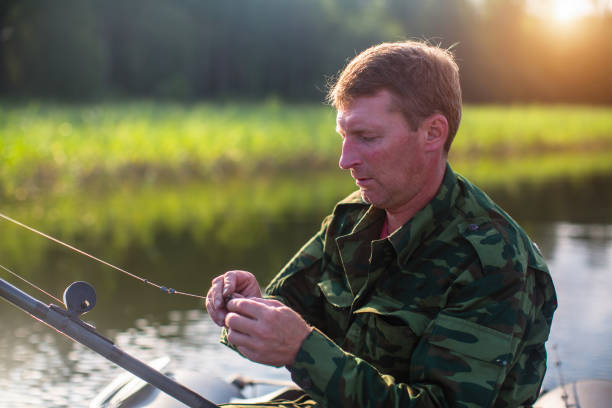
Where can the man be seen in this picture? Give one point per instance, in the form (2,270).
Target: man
(418,290)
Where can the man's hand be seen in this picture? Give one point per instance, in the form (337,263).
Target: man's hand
(265,330)
(223,287)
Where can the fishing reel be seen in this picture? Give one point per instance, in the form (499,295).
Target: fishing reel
(79,298)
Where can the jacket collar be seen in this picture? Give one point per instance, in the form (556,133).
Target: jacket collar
(410,235)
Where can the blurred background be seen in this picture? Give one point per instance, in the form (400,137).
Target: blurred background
(509,50)
(179,139)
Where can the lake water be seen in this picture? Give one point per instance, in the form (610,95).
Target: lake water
(571,222)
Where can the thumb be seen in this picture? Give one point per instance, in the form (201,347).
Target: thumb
(229,284)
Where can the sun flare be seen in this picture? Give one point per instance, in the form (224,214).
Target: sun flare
(561,11)
(565,11)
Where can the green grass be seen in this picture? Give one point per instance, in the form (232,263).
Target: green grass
(62,149)
(56,147)
(525,129)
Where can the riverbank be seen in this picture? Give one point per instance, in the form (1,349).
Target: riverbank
(50,148)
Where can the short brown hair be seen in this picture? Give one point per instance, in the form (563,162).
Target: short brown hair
(423,80)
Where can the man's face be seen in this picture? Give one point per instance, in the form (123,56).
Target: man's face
(386,158)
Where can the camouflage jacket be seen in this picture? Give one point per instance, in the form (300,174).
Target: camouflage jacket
(451,310)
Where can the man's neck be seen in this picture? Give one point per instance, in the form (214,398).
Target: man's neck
(396,217)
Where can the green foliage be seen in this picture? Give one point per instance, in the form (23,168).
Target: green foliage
(58,148)
(55,49)
(529,129)
(156,42)
(193,49)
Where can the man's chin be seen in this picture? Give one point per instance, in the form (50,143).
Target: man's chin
(379,201)
(364,196)
(368,198)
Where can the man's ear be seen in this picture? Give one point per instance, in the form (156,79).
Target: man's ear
(436,132)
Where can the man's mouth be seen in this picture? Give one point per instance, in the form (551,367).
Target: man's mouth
(362,181)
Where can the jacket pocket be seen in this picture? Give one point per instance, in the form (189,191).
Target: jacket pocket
(335,293)
(386,338)
(467,358)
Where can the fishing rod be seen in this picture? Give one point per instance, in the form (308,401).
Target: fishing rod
(168,290)
(79,298)
(564,395)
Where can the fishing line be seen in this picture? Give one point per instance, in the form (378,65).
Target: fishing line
(31,284)
(164,289)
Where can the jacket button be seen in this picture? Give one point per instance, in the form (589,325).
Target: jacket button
(473,227)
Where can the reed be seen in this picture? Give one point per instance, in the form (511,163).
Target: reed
(47,147)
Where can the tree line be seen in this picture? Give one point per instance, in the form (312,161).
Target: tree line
(201,49)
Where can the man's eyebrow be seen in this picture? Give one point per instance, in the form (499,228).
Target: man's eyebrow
(366,127)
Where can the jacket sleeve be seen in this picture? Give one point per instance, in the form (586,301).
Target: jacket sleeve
(462,359)
(335,378)
(296,284)
(300,273)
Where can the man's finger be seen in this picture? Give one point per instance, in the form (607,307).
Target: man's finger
(270,302)
(217,316)
(208,303)
(229,283)
(217,288)
(248,353)
(241,323)
(243,282)
(239,339)
(247,307)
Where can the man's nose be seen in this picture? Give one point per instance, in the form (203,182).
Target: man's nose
(349,157)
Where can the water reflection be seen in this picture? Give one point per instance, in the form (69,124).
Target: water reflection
(570,220)
(42,372)
(580,266)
